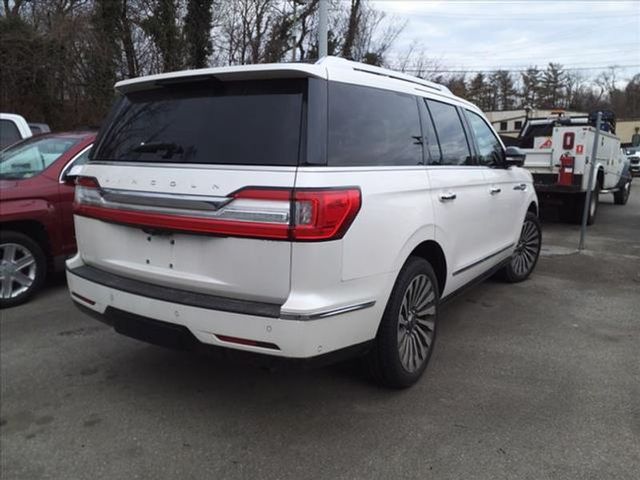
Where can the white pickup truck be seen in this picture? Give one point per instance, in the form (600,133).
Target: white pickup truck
(12,129)
(559,154)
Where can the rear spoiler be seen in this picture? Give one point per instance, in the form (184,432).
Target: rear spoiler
(242,72)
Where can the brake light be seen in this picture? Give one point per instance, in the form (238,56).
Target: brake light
(89,182)
(268,213)
(324,214)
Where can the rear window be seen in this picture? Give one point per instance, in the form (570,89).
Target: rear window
(211,122)
(533,131)
(8,133)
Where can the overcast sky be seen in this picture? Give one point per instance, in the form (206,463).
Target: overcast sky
(483,35)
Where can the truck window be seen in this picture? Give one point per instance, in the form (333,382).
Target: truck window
(369,126)
(451,135)
(9,133)
(208,122)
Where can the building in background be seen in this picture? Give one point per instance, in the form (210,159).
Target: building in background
(625,128)
(509,122)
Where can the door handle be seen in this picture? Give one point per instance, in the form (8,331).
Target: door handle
(495,190)
(522,186)
(447,197)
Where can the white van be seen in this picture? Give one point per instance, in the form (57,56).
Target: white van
(297,211)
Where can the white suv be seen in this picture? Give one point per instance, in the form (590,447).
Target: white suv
(296,211)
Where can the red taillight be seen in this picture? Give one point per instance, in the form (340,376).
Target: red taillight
(88,182)
(324,214)
(246,341)
(253,212)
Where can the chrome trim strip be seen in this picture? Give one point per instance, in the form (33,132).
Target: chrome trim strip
(326,313)
(475,264)
(165,200)
(70,163)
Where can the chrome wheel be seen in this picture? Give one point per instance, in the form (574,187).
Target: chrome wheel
(416,323)
(526,252)
(17,270)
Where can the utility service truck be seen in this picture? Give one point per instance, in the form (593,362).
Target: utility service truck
(559,152)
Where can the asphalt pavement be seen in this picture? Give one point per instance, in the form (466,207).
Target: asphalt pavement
(539,380)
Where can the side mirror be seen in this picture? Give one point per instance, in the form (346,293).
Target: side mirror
(71,175)
(514,157)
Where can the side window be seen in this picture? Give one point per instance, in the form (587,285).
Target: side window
(8,133)
(489,147)
(429,134)
(453,139)
(368,126)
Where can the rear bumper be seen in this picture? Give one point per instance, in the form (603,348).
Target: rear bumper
(185,320)
(547,183)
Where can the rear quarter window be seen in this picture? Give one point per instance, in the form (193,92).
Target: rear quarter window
(211,122)
(372,127)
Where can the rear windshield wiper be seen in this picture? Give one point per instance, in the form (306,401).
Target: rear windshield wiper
(169,148)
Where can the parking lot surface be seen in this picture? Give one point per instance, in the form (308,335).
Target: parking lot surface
(535,380)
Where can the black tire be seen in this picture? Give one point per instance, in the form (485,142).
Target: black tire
(593,206)
(574,209)
(403,330)
(622,196)
(14,247)
(525,257)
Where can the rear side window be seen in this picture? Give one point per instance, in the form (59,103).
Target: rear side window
(8,133)
(210,122)
(453,140)
(489,147)
(369,127)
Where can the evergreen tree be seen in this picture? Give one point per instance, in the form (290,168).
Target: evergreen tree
(197,32)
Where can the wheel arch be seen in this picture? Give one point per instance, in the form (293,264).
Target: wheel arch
(33,229)
(432,252)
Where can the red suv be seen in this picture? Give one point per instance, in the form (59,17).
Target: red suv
(36,217)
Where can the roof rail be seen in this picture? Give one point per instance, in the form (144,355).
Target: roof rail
(363,67)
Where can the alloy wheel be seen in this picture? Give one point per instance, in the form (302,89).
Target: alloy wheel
(526,252)
(416,323)
(17,270)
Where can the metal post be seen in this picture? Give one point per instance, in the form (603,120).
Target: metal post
(592,167)
(322,28)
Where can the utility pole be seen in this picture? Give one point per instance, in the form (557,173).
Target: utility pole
(322,28)
(592,167)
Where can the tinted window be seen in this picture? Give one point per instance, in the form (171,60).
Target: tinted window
(429,135)
(453,140)
(8,133)
(489,147)
(247,123)
(368,126)
(533,131)
(32,156)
